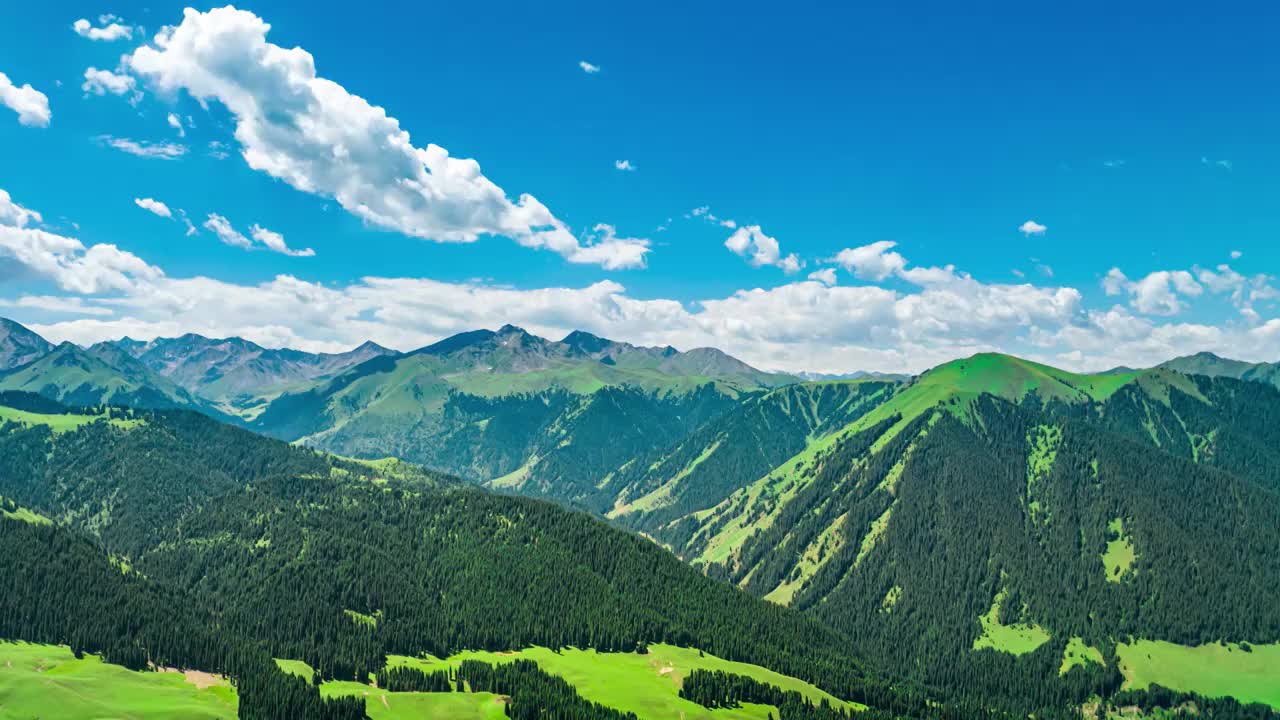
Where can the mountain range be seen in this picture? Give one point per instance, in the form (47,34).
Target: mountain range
(994,533)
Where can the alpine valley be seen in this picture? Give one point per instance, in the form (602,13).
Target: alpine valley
(344,535)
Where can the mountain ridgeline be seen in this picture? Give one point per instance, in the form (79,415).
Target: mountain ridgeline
(994,537)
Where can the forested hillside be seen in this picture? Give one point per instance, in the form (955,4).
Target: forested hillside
(996,519)
(289,547)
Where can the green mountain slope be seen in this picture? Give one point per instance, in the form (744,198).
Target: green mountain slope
(290,545)
(663,486)
(518,411)
(995,513)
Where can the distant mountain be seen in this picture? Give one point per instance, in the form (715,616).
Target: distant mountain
(509,407)
(238,375)
(855,375)
(19,345)
(1207,363)
(513,350)
(100,375)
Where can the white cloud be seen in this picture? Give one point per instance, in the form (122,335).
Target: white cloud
(1236,254)
(319,138)
(65,305)
(31,105)
(270,240)
(588,68)
(105,82)
(802,325)
(624,165)
(760,249)
(144,148)
(13,214)
(191,228)
(274,242)
(221,227)
(153,206)
(66,261)
(110,31)
(606,249)
(826,276)
(1159,293)
(874,262)
(705,213)
(1031,227)
(176,123)
(1244,292)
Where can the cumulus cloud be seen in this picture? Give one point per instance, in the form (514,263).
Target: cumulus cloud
(760,249)
(108,32)
(1159,293)
(588,68)
(274,242)
(154,206)
(1031,227)
(606,249)
(13,214)
(874,262)
(319,138)
(66,261)
(31,105)
(826,276)
(144,148)
(624,165)
(176,123)
(1244,292)
(106,82)
(803,325)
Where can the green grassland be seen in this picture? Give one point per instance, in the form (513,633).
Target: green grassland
(297,667)
(25,515)
(1214,670)
(647,685)
(1016,639)
(1079,654)
(45,681)
(383,705)
(1120,555)
(64,422)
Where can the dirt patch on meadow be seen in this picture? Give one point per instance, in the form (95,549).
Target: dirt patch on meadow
(200,679)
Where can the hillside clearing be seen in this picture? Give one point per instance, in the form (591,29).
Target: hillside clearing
(1016,639)
(1214,670)
(647,685)
(35,678)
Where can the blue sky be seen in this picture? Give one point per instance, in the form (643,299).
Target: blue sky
(1140,139)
